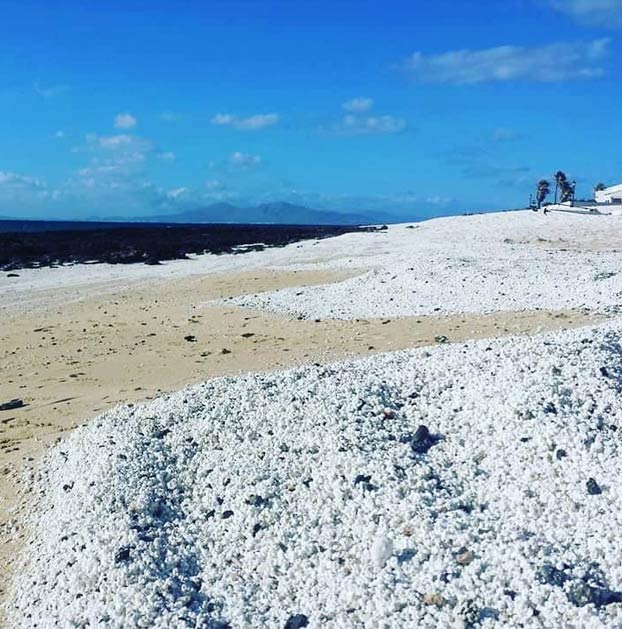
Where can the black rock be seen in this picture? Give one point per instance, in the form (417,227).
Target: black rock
(561,454)
(12,404)
(297,622)
(422,440)
(589,590)
(362,479)
(227,514)
(256,501)
(593,488)
(123,555)
(190,338)
(581,594)
(604,372)
(161,433)
(147,243)
(550,575)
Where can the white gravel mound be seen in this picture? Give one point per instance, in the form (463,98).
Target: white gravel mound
(469,264)
(312,497)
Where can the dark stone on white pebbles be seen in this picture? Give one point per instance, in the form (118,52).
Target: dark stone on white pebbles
(561,454)
(422,440)
(256,501)
(227,514)
(123,555)
(12,405)
(591,589)
(550,575)
(441,338)
(604,372)
(593,488)
(365,481)
(581,594)
(297,622)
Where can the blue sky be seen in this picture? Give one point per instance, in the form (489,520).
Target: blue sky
(149,106)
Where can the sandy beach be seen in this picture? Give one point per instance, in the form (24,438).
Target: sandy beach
(76,349)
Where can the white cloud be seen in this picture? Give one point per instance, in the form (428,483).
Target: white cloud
(222,119)
(352,124)
(358,105)
(358,120)
(121,143)
(251,123)
(177,192)
(214,184)
(15,181)
(599,12)
(259,121)
(124,121)
(167,156)
(59,135)
(549,63)
(114,141)
(244,160)
(114,160)
(50,91)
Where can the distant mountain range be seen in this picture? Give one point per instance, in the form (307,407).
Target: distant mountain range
(278,213)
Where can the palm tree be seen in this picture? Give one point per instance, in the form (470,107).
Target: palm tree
(543,190)
(560,180)
(599,187)
(567,191)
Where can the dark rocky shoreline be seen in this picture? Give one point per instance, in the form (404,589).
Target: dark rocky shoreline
(150,244)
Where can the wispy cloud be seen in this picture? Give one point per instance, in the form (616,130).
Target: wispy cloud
(15,181)
(214,184)
(124,121)
(49,91)
(358,105)
(244,161)
(177,193)
(360,121)
(166,156)
(367,125)
(114,159)
(598,12)
(549,63)
(122,141)
(250,123)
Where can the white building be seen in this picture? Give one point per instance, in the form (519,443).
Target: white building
(611,195)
